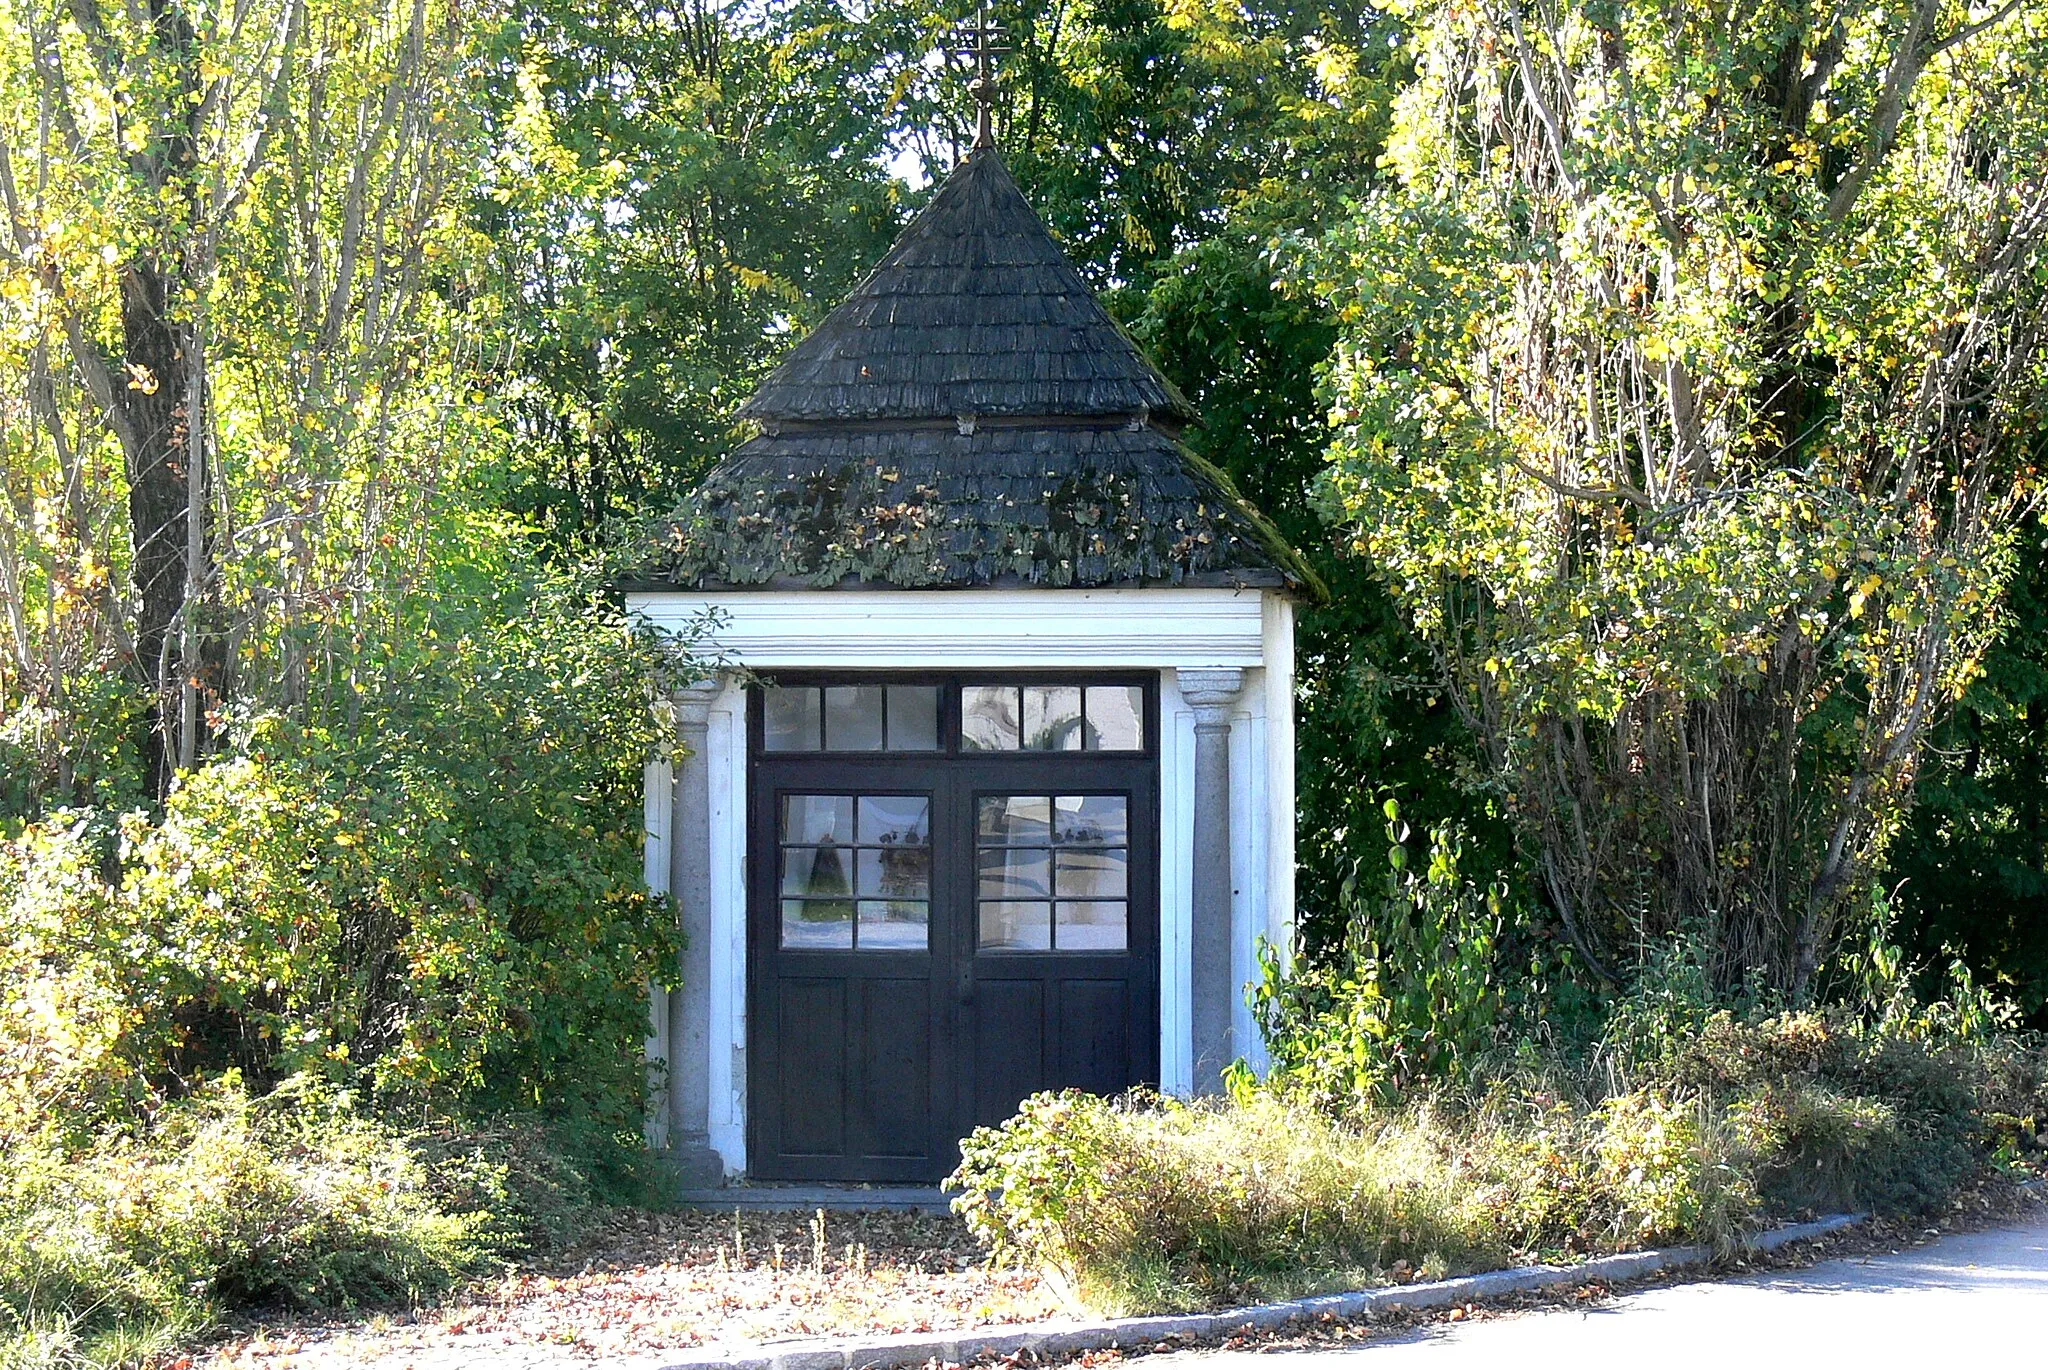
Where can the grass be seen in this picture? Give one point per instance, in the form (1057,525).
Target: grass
(1146,1204)
(111,1252)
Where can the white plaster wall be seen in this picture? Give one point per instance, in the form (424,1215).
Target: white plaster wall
(726,741)
(881,629)
(1281,802)
(1176,890)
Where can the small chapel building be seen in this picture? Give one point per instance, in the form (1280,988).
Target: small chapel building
(999,796)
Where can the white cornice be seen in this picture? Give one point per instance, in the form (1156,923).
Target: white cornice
(972,628)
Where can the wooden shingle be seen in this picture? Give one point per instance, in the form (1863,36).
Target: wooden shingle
(975,310)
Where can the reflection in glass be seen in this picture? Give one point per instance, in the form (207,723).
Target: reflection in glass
(1016,927)
(817,819)
(1014,873)
(1092,820)
(895,820)
(816,872)
(1084,874)
(1052,718)
(894,925)
(817,924)
(896,872)
(1014,818)
(1094,926)
(790,719)
(913,718)
(853,718)
(824,871)
(988,718)
(1116,718)
(1058,886)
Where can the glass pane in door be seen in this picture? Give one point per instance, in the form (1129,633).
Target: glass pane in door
(1052,872)
(856,872)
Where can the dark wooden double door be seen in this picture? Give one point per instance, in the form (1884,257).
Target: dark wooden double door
(934,935)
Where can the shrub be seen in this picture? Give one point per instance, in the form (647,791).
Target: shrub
(226,1200)
(1150,1203)
(288,915)
(1410,995)
(1154,1204)
(1569,1176)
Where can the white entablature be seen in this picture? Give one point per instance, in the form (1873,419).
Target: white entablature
(898,629)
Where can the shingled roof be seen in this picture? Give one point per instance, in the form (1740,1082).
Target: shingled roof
(975,310)
(969,416)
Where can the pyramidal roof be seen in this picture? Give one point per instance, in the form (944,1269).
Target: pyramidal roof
(970,416)
(975,310)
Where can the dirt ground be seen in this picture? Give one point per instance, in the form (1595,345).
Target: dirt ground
(651,1283)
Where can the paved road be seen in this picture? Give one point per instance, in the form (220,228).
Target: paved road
(1954,1304)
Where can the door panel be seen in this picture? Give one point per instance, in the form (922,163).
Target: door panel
(890,1102)
(1008,1018)
(1095,1052)
(810,1064)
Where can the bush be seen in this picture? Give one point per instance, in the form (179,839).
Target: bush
(225,1201)
(1409,995)
(1151,1203)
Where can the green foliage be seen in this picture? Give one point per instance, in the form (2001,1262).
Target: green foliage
(223,1200)
(1373,720)
(1651,413)
(448,899)
(675,189)
(1149,1204)
(1728,1125)
(1410,995)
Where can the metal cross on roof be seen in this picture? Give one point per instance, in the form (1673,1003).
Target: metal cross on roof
(979,42)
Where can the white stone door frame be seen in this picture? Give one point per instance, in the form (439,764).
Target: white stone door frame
(1182,633)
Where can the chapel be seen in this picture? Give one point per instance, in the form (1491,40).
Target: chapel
(994,790)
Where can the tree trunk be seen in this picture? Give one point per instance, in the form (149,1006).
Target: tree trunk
(158,403)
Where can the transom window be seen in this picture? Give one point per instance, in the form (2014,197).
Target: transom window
(1052,872)
(1021,716)
(850,718)
(1052,718)
(856,872)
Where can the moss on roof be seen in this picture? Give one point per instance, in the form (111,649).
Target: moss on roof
(928,508)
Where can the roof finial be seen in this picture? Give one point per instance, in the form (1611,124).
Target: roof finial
(979,42)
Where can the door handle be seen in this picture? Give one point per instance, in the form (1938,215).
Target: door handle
(964,990)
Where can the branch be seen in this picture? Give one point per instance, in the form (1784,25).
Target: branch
(1969,31)
(105,57)
(1907,64)
(269,113)
(1562,902)
(49,66)
(1552,128)
(1566,490)
(99,378)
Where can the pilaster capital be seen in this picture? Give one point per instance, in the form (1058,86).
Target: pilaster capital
(1210,692)
(693,701)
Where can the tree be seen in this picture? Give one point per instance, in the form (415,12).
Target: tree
(1683,392)
(225,265)
(679,188)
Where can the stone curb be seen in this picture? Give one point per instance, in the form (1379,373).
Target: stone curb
(1049,1340)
